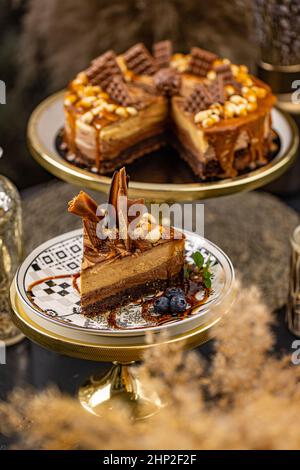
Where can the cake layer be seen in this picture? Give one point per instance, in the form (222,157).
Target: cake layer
(117,137)
(213,151)
(114,271)
(98,302)
(107,279)
(101,140)
(211,168)
(127,156)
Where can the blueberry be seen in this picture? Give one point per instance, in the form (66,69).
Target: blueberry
(161,305)
(171,291)
(178,304)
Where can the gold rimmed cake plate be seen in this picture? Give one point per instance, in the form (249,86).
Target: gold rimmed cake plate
(46,284)
(162,176)
(121,383)
(50,316)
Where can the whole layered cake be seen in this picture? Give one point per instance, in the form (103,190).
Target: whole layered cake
(213,112)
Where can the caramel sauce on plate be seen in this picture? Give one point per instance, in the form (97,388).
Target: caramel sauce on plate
(191,288)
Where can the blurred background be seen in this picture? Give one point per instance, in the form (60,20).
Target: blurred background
(44,44)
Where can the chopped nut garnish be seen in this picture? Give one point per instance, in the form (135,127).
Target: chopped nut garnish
(199,117)
(229,109)
(121,112)
(210,121)
(87,118)
(87,101)
(180,62)
(211,75)
(110,107)
(237,99)
(241,109)
(229,90)
(260,92)
(131,111)
(70,99)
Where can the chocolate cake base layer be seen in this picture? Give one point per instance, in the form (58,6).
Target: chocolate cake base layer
(212,169)
(132,153)
(204,170)
(130,295)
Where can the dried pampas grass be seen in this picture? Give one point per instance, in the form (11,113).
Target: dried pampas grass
(243,399)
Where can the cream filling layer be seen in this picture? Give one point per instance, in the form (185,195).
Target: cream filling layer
(185,125)
(114,137)
(106,274)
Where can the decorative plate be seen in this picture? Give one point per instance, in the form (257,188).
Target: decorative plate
(48,274)
(153,177)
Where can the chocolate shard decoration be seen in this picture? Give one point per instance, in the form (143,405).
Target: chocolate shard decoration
(139,60)
(103,69)
(216,90)
(91,231)
(118,189)
(84,206)
(113,190)
(201,61)
(162,52)
(224,71)
(199,99)
(168,81)
(119,92)
(123,211)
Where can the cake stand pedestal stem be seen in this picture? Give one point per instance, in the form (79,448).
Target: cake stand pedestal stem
(120,385)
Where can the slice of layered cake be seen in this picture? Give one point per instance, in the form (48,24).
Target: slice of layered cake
(110,121)
(124,256)
(213,112)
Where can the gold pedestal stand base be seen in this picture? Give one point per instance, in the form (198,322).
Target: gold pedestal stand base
(120,386)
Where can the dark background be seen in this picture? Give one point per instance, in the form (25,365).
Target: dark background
(43,44)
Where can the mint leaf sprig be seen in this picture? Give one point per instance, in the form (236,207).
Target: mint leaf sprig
(202,268)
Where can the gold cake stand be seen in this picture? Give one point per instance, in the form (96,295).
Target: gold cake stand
(121,383)
(48,118)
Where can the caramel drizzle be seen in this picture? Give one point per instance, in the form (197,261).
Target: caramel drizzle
(226,147)
(191,289)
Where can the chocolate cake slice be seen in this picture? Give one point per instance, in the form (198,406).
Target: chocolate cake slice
(133,258)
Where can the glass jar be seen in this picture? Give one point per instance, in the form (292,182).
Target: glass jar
(293,305)
(11,249)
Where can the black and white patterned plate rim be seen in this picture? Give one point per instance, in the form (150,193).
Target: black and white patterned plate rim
(197,242)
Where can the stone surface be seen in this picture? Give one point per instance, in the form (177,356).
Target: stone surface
(252,228)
